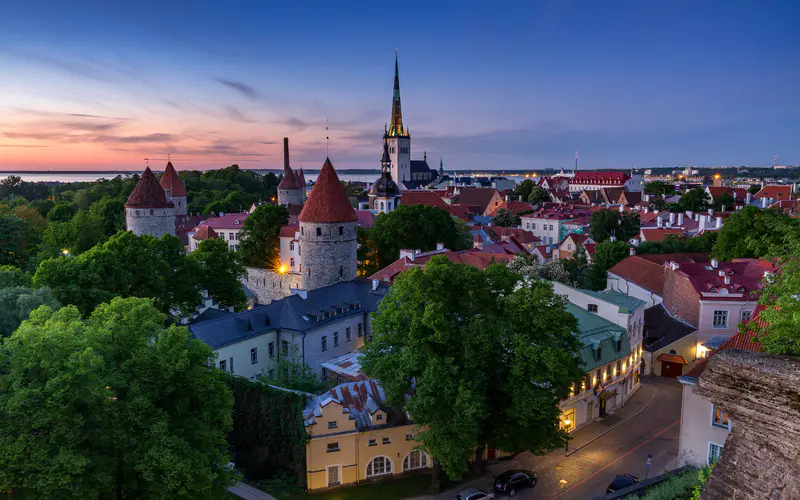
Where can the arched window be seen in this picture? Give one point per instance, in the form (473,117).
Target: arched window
(415,460)
(381,206)
(341,271)
(319,231)
(379,466)
(341,230)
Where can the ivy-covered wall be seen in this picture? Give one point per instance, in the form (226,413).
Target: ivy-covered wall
(268,437)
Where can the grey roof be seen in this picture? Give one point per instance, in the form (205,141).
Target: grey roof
(322,306)
(626,303)
(661,329)
(210,314)
(422,166)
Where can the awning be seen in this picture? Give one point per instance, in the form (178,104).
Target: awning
(672,358)
(608,394)
(715,341)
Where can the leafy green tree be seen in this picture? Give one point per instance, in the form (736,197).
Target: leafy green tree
(659,188)
(538,196)
(673,243)
(752,232)
(62,212)
(77,235)
(11,276)
(220,271)
(524,189)
(17,302)
(42,206)
(754,188)
(695,200)
(416,227)
(367,254)
(111,213)
(27,213)
(234,201)
(483,373)
(118,407)
(290,372)
(18,238)
(725,201)
(604,224)
(607,254)
(258,240)
(506,218)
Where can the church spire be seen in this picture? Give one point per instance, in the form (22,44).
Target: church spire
(396,127)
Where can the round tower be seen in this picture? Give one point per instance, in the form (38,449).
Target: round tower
(147,210)
(328,239)
(384,195)
(174,189)
(290,191)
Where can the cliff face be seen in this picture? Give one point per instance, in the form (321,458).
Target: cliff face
(761,393)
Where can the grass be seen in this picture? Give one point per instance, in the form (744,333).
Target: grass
(386,490)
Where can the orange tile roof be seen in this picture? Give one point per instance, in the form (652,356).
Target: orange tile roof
(672,358)
(471,257)
(203,233)
(642,272)
(327,201)
(775,191)
(658,234)
(148,193)
(172,182)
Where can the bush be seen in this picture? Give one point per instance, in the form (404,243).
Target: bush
(676,488)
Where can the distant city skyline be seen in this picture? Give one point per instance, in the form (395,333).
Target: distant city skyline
(88,85)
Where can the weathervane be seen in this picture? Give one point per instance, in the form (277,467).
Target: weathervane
(147,162)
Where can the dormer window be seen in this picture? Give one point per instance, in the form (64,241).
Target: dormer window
(619,344)
(379,417)
(740,289)
(714,289)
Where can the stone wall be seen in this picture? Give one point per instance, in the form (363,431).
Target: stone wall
(268,285)
(290,196)
(761,393)
(680,297)
(153,221)
(327,256)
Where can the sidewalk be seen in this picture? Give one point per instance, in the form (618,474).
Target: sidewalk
(247,492)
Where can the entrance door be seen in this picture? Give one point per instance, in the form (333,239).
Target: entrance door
(590,410)
(491,453)
(602,407)
(671,370)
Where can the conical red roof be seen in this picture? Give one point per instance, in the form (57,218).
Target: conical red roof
(301,179)
(203,233)
(289,180)
(172,182)
(327,201)
(148,193)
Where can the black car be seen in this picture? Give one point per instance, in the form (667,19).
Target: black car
(512,480)
(622,481)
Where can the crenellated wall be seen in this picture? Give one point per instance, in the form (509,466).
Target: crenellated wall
(761,393)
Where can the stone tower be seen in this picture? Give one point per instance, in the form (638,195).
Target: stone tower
(384,195)
(174,189)
(148,211)
(289,190)
(327,233)
(398,138)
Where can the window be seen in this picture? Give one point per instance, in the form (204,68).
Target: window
(270,351)
(599,353)
(387,441)
(308,272)
(333,446)
(619,367)
(719,418)
(379,466)
(379,417)
(373,442)
(619,344)
(285,347)
(569,246)
(324,342)
(223,365)
(746,315)
(341,271)
(415,460)
(714,451)
(335,339)
(254,354)
(332,424)
(302,231)
(237,236)
(341,228)
(333,475)
(291,245)
(347,334)
(409,437)
(319,231)
(360,332)
(720,319)
(230,236)
(291,261)
(230,361)
(597,377)
(551,227)
(592,308)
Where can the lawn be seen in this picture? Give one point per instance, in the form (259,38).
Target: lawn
(387,490)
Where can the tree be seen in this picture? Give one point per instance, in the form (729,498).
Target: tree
(659,188)
(111,213)
(538,195)
(418,227)
(118,407)
(754,188)
(607,254)
(290,372)
(673,243)
(11,276)
(42,206)
(367,255)
(220,271)
(726,201)
(62,212)
(488,354)
(606,223)
(76,235)
(524,189)
(506,218)
(694,200)
(18,238)
(752,232)
(259,237)
(17,302)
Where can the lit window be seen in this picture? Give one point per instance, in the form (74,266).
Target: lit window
(415,460)
(592,308)
(379,466)
(719,418)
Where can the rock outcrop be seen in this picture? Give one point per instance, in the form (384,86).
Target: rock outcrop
(761,394)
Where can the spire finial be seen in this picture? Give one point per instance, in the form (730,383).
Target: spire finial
(327,139)
(147,162)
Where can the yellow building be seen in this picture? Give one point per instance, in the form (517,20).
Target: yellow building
(355,437)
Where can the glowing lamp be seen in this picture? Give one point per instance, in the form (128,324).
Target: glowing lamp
(65,251)
(282,269)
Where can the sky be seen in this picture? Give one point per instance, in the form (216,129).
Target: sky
(485,85)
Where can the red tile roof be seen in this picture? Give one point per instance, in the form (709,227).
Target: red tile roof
(172,182)
(738,194)
(591,248)
(366,219)
(430,198)
(203,233)
(513,207)
(642,272)
(658,234)
(777,192)
(599,178)
(148,193)
(228,221)
(672,358)
(745,277)
(288,231)
(327,201)
(500,233)
(289,180)
(471,257)
(463,212)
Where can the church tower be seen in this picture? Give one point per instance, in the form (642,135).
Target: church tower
(397,137)
(384,195)
(328,238)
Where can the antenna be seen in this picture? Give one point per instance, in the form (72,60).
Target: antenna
(576,160)
(147,162)
(327,139)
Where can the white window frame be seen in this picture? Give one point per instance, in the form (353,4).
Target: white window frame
(716,425)
(338,468)
(710,444)
(253,355)
(714,319)
(749,315)
(408,457)
(389,473)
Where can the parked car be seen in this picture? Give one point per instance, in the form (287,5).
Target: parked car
(474,494)
(510,481)
(622,481)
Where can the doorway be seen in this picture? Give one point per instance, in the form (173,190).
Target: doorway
(590,410)
(602,407)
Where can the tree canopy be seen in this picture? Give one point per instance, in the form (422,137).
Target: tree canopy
(220,271)
(506,218)
(659,188)
(489,353)
(694,200)
(259,240)
(751,233)
(118,407)
(607,223)
(607,254)
(672,243)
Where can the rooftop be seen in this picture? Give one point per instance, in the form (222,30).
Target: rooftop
(171,182)
(743,277)
(661,329)
(148,193)
(347,367)
(327,202)
(596,332)
(358,399)
(471,257)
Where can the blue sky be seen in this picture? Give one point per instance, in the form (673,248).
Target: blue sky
(512,85)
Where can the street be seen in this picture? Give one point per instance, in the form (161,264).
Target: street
(619,444)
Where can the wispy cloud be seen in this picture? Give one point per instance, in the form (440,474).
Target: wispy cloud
(234,114)
(295,124)
(242,88)
(136,139)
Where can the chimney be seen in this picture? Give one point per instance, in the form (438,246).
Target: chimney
(375,284)
(660,222)
(734,195)
(727,280)
(549,250)
(714,263)
(408,253)
(680,219)
(749,198)
(508,198)
(719,222)
(647,210)
(710,211)
(764,201)
(285,153)
(697,217)
(673,265)
(632,251)
(721,272)
(672,218)
(440,246)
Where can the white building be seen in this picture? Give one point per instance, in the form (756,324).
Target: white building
(226,226)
